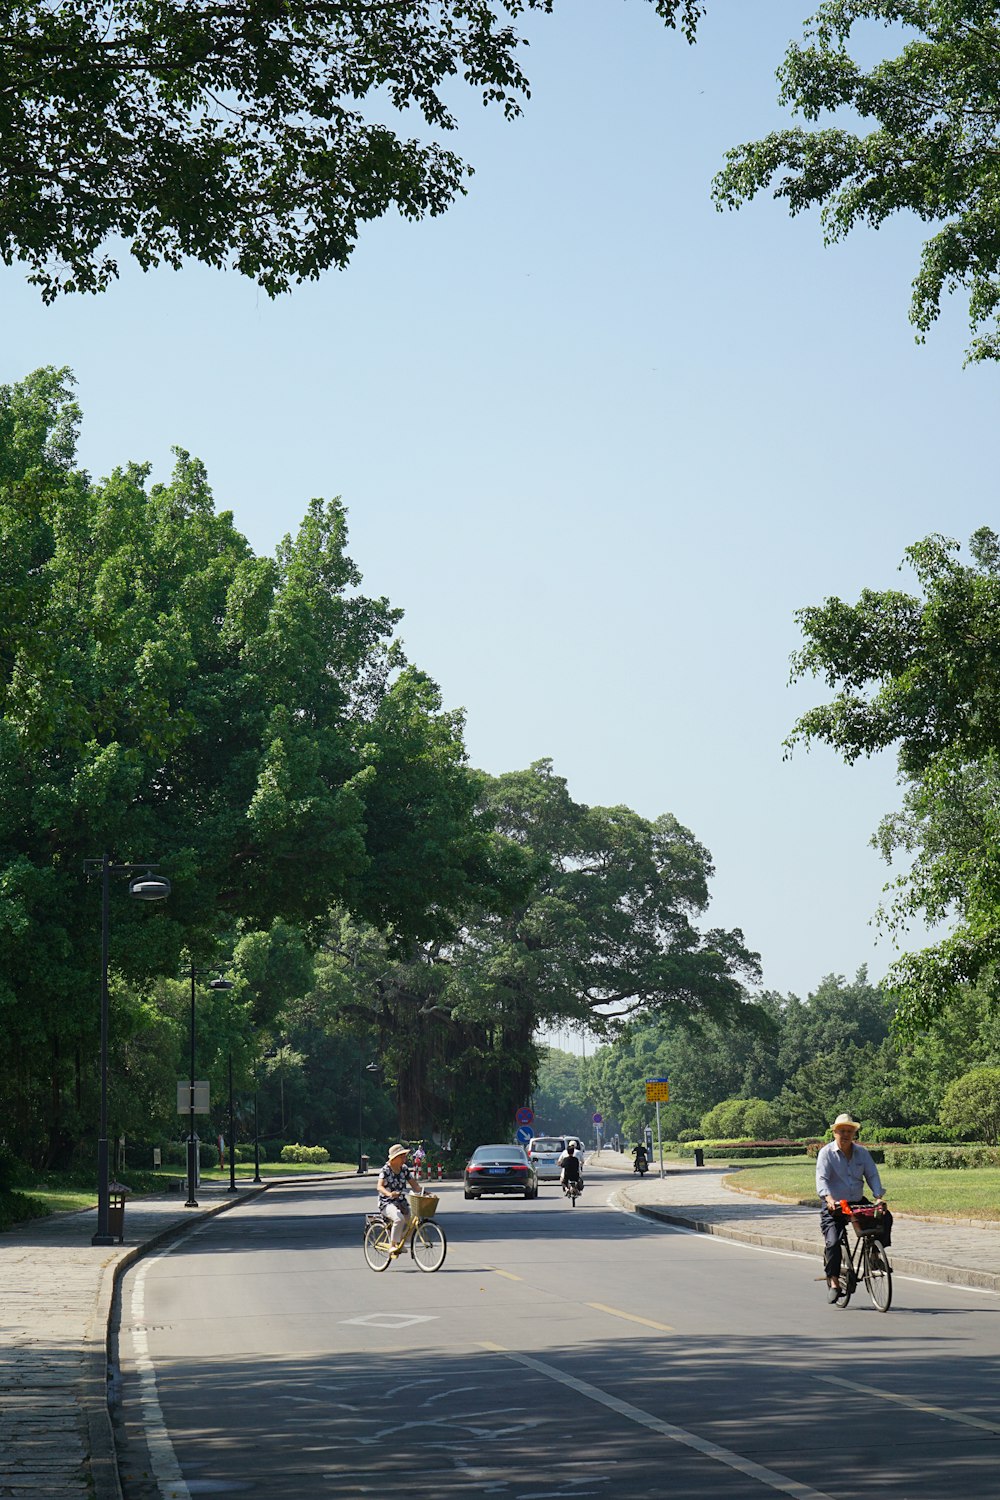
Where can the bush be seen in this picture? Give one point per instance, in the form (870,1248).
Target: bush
(971,1104)
(246,1153)
(11,1169)
(314,1154)
(916,1158)
(688,1135)
(931,1135)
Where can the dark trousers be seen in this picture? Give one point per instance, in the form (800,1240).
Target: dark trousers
(830,1223)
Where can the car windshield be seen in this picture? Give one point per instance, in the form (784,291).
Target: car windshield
(498,1153)
(548,1143)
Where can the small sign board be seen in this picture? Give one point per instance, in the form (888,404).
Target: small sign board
(597,1119)
(524,1115)
(201,1104)
(524,1134)
(657,1090)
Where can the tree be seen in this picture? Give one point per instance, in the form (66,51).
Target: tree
(230,131)
(922,674)
(165,694)
(583,914)
(932,151)
(610,928)
(972,1105)
(561,1094)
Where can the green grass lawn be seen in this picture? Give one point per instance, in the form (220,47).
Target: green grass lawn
(57,1193)
(972,1192)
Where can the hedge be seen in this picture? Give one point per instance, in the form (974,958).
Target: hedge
(928,1157)
(743,1150)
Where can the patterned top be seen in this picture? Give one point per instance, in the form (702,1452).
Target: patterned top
(399,1182)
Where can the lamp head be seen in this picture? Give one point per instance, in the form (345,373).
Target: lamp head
(149,887)
(220,984)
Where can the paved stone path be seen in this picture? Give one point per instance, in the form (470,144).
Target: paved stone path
(55,1432)
(962,1251)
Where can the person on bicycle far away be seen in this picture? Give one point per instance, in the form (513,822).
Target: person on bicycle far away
(569,1166)
(394,1182)
(842,1169)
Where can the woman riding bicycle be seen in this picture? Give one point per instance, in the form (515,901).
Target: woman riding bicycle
(842,1169)
(394,1182)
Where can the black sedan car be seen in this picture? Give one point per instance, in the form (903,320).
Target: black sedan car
(500,1169)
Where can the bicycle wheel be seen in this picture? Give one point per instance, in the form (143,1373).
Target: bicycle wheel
(878,1275)
(377,1247)
(428,1245)
(848,1278)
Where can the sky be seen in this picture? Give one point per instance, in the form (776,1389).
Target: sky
(599,441)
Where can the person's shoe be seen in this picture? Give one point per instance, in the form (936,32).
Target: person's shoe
(394,1252)
(833,1291)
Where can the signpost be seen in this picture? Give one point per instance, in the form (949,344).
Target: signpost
(658,1091)
(524,1134)
(198,1102)
(524,1115)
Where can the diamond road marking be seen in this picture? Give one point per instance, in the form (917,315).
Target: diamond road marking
(391,1320)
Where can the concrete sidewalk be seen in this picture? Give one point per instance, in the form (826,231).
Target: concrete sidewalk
(964,1252)
(55,1429)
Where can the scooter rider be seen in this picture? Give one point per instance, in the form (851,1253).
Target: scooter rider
(640,1160)
(569,1168)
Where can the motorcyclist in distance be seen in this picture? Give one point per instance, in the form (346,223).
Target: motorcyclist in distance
(569,1168)
(640,1160)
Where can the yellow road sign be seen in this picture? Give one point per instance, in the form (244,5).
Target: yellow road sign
(657,1090)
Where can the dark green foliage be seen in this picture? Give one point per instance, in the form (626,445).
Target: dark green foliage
(920,673)
(934,108)
(233,133)
(246,722)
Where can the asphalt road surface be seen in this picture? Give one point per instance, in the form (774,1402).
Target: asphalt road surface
(558,1354)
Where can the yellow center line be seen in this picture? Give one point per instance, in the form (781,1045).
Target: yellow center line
(509,1274)
(913,1403)
(616,1312)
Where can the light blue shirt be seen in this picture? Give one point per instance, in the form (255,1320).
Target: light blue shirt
(845,1177)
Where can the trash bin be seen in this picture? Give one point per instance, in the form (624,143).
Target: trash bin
(363,1166)
(699,1157)
(116,1210)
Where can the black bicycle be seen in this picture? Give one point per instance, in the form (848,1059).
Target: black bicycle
(864,1260)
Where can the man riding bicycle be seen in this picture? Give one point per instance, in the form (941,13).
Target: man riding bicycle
(842,1169)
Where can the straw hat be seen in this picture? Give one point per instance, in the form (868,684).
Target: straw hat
(397,1150)
(845,1120)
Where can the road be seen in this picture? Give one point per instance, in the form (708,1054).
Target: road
(558,1354)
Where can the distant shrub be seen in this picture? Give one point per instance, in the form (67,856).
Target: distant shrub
(933,1135)
(916,1158)
(972,1104)
(688,1135)
(314,1154)
(748,1149)
(246,1153)
(762,1120)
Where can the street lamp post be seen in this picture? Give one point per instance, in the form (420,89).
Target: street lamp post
(232,1129)
(144,886)
(256,1127)
(192,1144)
(361,1079)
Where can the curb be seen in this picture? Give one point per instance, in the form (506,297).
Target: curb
(903,1265)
